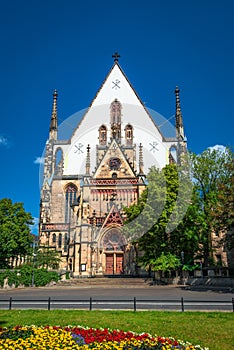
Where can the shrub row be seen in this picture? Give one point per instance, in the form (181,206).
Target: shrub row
(26,275)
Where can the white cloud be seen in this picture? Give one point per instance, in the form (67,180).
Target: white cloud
(3,141)
(34,226)
(220,148)
(39,160)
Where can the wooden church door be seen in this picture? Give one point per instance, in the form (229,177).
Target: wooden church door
(119,264)
(114,264)
(109,264)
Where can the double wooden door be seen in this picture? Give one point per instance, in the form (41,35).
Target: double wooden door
(114,263)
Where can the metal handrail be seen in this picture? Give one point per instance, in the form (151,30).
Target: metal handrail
(134,303)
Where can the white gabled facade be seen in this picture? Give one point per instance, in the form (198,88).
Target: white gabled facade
(101,168)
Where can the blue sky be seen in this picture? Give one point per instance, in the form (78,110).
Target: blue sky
(67,45)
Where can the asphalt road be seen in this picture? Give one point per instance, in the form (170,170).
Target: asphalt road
(118,297)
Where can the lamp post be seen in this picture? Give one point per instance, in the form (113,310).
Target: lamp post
(95,228)
(33,265)
(92,248)
(182,261)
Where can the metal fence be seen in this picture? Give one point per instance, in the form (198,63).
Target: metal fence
(133,304)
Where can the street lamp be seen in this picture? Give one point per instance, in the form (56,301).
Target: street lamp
(182,260)
(33,266)
(95,228)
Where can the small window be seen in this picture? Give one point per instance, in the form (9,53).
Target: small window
(54,238)
(102,135)
(60,240)
(65,242)
(129,134)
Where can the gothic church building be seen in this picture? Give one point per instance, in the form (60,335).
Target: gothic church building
(102,167)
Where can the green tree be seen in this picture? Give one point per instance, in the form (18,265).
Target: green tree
(165,263)
(212,172)
(15,237)
(223,215)
(162,207)
(47,258)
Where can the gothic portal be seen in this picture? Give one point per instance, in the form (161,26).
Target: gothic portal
(102,167)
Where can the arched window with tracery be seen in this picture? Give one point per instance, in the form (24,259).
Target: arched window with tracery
(102,135)
(70,198)
(128,134)
(113,240)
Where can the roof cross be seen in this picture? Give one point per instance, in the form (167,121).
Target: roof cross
(116,56)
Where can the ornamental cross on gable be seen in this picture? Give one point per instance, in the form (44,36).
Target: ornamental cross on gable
(116,56)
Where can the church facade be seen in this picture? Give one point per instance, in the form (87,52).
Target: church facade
(101,168)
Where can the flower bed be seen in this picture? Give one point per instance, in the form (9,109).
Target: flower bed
(46,338)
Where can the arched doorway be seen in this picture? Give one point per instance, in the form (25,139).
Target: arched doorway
(113,245)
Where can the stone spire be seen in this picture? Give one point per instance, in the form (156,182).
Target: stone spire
(54,118)
(141,163)
(181,148)
(178,117)
(88,161)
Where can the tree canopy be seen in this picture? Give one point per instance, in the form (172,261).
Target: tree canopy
(181,208)
(170,190)
(15,237)
(212,173)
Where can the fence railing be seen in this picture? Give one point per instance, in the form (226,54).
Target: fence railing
(133,304)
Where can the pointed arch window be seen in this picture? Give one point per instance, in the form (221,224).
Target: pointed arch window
(60,240)
(102,135)
(58,161)
(54,238)
(129,134)
(70,198)
(65,242)
(173,154)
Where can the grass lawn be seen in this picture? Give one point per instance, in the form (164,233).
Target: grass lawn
(209,329)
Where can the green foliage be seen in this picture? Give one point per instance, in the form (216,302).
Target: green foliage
(163,212)
(15,334)
(24,275)
(43,277)
(13,277)
(166,262)
(173,216)
(213,175)
(48,258)
(15,237)
(2,278)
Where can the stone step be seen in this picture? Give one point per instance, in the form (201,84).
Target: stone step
(108,281)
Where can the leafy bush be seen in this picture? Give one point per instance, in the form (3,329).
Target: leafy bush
(43,277)
(13,277)
(24,276)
